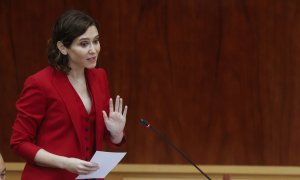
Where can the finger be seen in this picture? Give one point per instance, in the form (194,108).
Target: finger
(121,106)
(105,116)
(117,103)
(82,169)
(125,112)
(111,105)
(84,172)
(95,164)
(90,164)
(93,168)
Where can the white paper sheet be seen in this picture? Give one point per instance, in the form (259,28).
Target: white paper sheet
(106,160)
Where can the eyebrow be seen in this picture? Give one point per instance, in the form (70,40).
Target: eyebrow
(83,39)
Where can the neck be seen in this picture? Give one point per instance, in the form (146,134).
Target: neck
(76,74)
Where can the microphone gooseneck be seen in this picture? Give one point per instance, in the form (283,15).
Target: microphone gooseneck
(157,132)
(144,122)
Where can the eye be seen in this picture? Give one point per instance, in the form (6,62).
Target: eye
(84,43)
(96,41)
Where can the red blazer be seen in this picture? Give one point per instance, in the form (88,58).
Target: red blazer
(48,118)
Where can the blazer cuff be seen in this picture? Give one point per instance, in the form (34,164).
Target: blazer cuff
(28,151)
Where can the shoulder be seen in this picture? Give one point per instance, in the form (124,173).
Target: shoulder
(43,76)
(98,73)
(45,73)
(34,86)
(97,76)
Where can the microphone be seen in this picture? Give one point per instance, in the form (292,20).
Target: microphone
(147,124)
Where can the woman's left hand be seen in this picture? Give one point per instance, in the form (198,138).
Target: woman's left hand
(115,123)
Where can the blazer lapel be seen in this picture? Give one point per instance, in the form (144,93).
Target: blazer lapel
(98,90)
(63,86)
(100,99)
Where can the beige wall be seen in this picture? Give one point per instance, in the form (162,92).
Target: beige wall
(185,172)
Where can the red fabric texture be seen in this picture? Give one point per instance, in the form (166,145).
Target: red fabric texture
(48,118)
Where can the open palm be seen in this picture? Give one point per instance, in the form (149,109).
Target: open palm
(116,120)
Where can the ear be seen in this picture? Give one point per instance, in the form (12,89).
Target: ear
(61,48)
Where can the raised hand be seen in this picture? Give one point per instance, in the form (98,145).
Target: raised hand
(115,123)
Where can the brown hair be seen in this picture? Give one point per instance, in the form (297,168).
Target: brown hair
(69,26)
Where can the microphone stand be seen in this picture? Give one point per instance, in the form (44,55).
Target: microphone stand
(146,124)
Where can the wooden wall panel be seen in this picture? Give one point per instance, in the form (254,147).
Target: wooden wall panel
(8,79)
(219,78)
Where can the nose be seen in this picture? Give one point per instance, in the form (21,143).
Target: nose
(92,49)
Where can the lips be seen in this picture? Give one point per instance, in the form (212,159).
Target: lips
(92,58)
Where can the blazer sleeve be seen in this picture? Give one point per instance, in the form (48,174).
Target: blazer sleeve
(31,108)
(106,132)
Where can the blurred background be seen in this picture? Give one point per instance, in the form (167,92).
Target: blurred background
(220,78)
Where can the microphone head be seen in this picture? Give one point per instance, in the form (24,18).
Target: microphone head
(144,122)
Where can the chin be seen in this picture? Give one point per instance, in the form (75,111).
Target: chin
(90,66)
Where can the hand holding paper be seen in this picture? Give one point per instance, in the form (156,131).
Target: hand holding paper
(106,160)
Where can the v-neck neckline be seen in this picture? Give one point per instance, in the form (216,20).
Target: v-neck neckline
(79,98)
